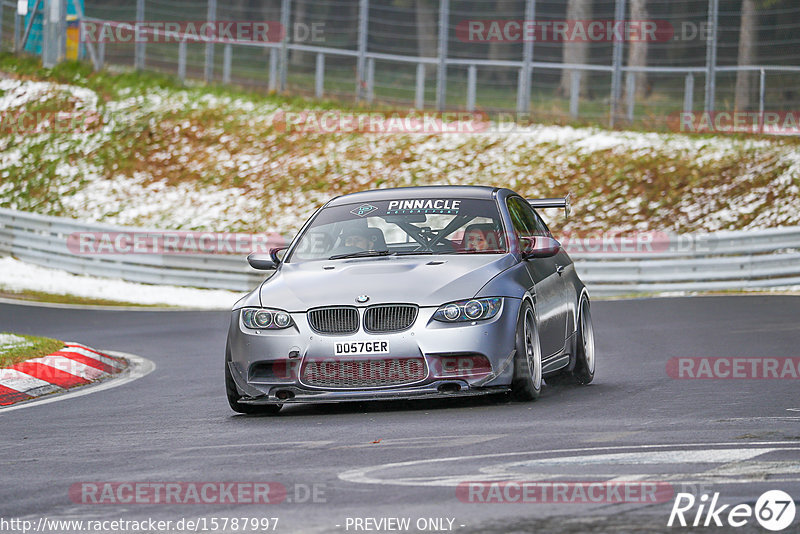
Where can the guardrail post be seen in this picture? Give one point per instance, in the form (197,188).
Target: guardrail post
(630,89)
(140,44)
(273,69)
(762,97)
(616,75)
(286,11)
(370,79)
(441,71)
(688,93)
(711,55)
(209,67)
(363,27)
(319,80)
(524,89)
(472,79)
(227,59)
(574,92)
(419,96)
(182,60)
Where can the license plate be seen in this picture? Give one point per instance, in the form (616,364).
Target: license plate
(361,347)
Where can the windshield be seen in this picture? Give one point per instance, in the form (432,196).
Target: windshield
(403,227)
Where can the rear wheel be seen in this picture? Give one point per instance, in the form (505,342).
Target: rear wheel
(233,397)
(527,382)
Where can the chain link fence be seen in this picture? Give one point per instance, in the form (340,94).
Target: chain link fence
(492,55)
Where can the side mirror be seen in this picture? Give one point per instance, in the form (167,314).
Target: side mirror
(538,247)
(261,262)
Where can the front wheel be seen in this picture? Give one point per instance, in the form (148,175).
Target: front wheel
(527,382)
(233,398)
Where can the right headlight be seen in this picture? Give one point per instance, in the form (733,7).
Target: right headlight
(266,319)
(469,310)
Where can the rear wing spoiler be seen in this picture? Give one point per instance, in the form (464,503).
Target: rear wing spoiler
(543,203)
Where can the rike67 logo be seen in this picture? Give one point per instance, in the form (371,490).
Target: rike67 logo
(774,510)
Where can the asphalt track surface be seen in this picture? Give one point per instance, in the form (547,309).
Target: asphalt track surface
(736,437)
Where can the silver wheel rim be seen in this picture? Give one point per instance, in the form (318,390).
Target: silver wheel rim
(587,335)
(531,354)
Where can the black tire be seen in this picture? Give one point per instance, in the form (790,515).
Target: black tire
(233,397)
(583,371)
(527,382)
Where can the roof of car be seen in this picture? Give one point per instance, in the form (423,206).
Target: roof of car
(402,193)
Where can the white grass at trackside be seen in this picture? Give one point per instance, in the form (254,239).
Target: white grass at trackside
(9,342)
(16,276)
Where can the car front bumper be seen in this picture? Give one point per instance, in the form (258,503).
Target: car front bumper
(438,344)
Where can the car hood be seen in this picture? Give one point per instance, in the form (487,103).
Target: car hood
(421,280)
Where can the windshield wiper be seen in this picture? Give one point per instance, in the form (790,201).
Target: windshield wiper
(362,254)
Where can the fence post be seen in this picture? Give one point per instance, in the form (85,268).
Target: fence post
(762,97)
(17,30)
(2,5)
(472,78)
(286,19)
(319,80)
(524,92)
(227,59)
(616,76)
(711,54)
(441,71)
(574,92)
(182,60)
(101,48)
(688,93)
(630,89)
(89,45)
(419,97)
(370,79)
(140,44)
(54,30)
(363,27)
(273,69)
(211,17)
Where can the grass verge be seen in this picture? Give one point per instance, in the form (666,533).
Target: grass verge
(16,348)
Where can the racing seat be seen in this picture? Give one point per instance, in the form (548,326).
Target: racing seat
(376,237)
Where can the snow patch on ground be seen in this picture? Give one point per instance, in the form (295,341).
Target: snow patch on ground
(16,276)
(9,342)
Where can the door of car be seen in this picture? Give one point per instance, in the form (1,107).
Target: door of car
(548,284)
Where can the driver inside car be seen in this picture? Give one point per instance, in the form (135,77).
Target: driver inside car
(357,239)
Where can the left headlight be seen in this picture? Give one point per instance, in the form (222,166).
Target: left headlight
(469,310)
(266,319)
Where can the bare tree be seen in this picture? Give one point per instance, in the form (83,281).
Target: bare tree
(573,51)
(637,49)
(747,54)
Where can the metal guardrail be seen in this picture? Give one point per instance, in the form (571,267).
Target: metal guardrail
(692,262)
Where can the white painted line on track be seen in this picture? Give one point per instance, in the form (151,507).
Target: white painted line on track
(138,367)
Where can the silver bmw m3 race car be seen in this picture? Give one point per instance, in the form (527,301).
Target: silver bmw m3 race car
(412,293)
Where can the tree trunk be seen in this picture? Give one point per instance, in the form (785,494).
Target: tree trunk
(576,52)
(637,50)
(427,34)
(498,50)
(299,9)
(747,53)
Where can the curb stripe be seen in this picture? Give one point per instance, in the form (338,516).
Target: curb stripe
(67,365)
(86,360)
(10,396)
(50,374)
(94,355)
(19,381)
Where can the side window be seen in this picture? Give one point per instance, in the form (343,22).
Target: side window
(526,222)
